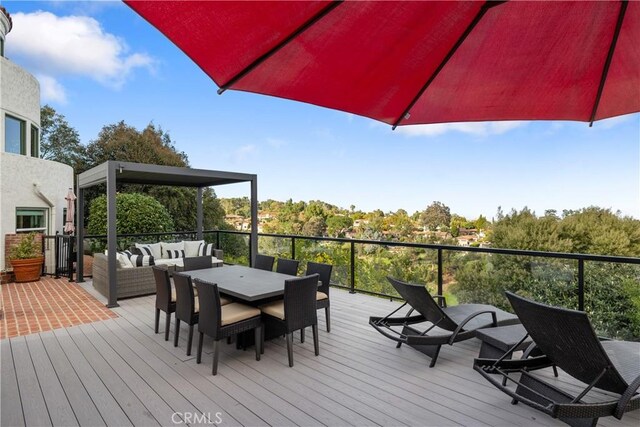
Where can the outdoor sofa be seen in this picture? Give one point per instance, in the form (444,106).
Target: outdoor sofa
(135,280)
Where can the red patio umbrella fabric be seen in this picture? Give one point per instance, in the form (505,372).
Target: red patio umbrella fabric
(417,62)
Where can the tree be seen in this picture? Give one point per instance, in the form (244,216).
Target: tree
(136,213)
(612,297)
(338,225)
(436,215)
(152,145)
(59,141)
(315,226)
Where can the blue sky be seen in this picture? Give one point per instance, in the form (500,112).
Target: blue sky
(99,63)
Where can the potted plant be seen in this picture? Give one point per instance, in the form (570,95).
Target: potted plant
(26,259)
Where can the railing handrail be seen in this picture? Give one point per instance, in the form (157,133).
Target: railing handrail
(434,246)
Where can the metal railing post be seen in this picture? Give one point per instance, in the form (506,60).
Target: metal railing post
(70,257)
(352,286)
(293,248)
(581,284)
(217,239)
(440,273)
(56,254)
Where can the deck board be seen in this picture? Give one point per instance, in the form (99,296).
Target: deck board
(34,406)
(10,405)
(108,408)
(58,405)
(119,372)
(83,407)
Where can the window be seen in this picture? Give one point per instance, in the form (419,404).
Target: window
(31,219)
(14,135)
(35,141)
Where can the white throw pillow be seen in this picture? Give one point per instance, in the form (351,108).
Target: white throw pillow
(191,247)
(179,246)
(123,259)
(154,248)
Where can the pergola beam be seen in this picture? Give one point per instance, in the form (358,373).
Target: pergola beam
(113,172)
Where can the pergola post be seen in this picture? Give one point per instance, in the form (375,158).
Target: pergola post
(199,219)
(79,233)
(253,239)
(112,293)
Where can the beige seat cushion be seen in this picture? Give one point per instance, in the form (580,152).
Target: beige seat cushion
(236,312)
(225,300)
(275,309)
(321,295)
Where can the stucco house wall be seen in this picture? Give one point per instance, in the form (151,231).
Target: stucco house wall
(25,181)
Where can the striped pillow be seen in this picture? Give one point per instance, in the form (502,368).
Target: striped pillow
(174,253)
(145,250)
(206,249)
(142,260)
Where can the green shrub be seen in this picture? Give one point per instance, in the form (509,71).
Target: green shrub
(135,213)
(27,248)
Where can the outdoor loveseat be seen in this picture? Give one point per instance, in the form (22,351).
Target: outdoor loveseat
(137,281)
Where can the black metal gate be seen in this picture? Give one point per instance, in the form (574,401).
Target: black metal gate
(64,254)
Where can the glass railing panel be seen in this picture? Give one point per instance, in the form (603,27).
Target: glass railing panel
(612,299)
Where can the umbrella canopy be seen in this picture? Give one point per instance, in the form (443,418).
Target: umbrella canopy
(71,209)
(417,62)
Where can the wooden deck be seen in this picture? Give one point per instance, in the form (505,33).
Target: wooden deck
(118,372)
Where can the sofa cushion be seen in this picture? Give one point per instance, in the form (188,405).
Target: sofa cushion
(172,254)
(178,246)
(152,249)
(176,262)
(191,247)
(141,260)
(206,249)
(124,261)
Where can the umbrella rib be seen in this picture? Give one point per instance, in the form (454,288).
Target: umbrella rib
(607,64)
(311,21)
(485,7)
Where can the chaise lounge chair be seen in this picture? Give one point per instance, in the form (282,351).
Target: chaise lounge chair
(448,325)
(567,339)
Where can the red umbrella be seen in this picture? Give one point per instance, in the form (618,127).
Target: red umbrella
(71,208)
(419,62)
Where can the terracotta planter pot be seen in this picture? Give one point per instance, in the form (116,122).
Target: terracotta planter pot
(27,270)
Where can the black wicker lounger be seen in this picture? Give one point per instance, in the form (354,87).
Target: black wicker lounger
(567,339)
(448,325)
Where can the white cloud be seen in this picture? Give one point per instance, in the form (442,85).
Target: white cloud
(473,128)
(613,121)
(51,90)
(55,46)
(244,152)
(276,143)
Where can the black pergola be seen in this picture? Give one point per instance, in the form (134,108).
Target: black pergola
(112,172)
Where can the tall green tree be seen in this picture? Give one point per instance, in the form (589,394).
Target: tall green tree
(59,141)
(152,145)
(437,214)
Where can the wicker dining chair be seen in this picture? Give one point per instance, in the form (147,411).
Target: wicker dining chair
(297,310)
(187,307)
(287,266)
(223,321)
(323,301)
(264,262)
(165,298)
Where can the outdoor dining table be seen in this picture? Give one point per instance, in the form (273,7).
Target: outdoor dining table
(250,286)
